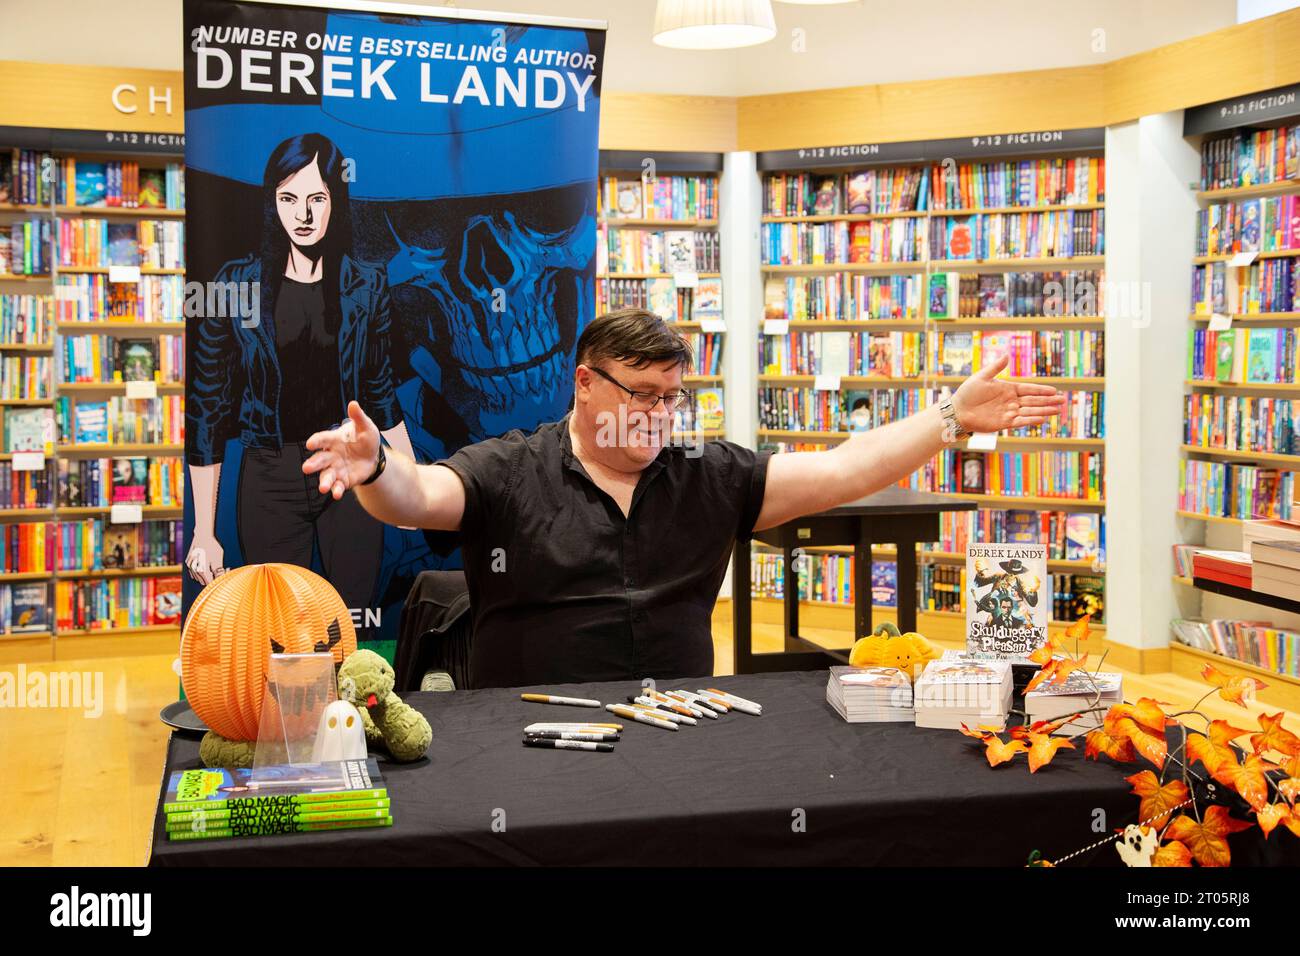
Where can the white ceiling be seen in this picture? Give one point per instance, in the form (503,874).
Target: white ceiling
(866,41)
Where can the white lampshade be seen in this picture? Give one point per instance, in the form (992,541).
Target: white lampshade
(713,24)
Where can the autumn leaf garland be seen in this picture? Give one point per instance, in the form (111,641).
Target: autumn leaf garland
(1271,788)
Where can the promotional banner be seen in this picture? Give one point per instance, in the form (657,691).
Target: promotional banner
(392,207)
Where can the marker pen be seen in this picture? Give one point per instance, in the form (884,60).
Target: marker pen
(568,744)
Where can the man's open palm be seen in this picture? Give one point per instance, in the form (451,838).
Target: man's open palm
(344,456)
(988,404)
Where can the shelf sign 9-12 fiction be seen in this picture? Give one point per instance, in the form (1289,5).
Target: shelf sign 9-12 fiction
(395,208)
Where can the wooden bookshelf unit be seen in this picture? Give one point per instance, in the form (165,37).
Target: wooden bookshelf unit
(812,228)
(57,642)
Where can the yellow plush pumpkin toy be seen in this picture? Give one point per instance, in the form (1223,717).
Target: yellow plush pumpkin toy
(888,647)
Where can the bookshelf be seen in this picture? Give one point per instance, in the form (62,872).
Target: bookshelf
(82,321)
(849,253)
(659,247)
(1239,450)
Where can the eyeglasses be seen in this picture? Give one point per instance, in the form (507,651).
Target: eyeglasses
(646,401)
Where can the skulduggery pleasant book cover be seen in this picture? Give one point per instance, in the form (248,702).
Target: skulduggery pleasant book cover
(1008,604)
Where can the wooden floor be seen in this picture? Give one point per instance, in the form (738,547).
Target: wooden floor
(81,791)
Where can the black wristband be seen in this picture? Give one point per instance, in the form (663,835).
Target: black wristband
(379,466)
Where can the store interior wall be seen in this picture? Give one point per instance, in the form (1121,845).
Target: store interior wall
(816,47)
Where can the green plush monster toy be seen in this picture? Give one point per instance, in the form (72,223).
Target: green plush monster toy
(366,681)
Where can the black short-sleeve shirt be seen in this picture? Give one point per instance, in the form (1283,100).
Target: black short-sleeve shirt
(565,589)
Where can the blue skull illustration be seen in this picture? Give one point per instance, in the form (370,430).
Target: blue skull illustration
(499,302)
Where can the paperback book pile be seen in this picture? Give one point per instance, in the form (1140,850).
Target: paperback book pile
(870,695)
(1079,692)
(963,689)
(215,803)
(1226,567)
(1275,568)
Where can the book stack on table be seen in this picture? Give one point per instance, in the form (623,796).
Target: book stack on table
(1275,568)
(869,695)
(217,803)
(963,690)
(1080,692)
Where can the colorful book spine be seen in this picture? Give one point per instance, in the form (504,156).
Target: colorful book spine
(80,544)
(107,604)
(27,547)
(26,489)
(26,319)
(1241,423)
(663,197)
(1245,492)
(1044,474)
(647,251)
(1020,235)
(1250,158)
(25,377)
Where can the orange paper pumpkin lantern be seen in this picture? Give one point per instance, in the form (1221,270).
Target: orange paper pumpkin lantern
(238,621)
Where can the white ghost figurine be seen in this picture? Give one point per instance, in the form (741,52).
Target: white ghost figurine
(340,735)
(1138,845)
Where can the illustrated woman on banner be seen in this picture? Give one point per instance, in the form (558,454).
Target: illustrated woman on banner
(320,338)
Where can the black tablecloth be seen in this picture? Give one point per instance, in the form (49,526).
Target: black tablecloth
(726,792)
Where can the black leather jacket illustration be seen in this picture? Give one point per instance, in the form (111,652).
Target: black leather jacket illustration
(235,375)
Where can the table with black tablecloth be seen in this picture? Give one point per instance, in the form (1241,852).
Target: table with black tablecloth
(796,786)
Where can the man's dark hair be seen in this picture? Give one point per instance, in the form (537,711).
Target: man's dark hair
(632,335)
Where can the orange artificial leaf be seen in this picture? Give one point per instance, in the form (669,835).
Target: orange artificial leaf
(1270,816)
(1078,631)
(1290,787)
(1158,800)
(1150,745)
(1292,822)
(1247,778)
(1050,726)
(1043,748)
(1207,840)
(1024,731)
(1211,754)
(1055,671)
(1147,712)
(1044,653)
(1221,732)
(1047,650)
(1045,675)
(997,751)
(1275,736)
(1172,853)
(1232,689)
(1098,742)
(971,733)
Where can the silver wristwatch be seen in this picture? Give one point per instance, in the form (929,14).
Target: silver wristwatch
(951,426)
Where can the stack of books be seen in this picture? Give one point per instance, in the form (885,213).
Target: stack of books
(870,695)
(218,803)
(1275,568)
(1077,693)
(960,689)
(1226,567)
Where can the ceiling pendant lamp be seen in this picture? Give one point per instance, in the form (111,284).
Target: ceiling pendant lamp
(713,24)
